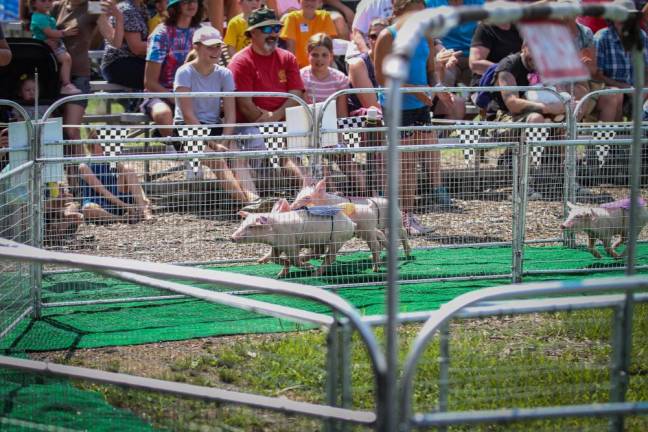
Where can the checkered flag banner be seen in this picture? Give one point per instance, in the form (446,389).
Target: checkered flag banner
(274,143)
(469,136)
(351,139)
(112,148)
(536,135)
(194,146)
(603,150)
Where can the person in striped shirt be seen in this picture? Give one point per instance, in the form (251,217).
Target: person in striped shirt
(320,82)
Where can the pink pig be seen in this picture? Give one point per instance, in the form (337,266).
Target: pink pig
(290,231)
(603,223)
(369,214)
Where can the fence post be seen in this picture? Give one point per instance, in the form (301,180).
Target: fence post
(36,269)
(444,368)
(332,369)
(569,238)
(519,176)
(620,361)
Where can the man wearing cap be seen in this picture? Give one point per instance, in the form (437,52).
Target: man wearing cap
(613,61)
(263,67)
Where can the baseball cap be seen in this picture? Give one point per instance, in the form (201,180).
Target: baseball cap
(207,35)
(262,17)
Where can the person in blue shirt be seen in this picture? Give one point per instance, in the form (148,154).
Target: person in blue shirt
(457,42)
(416,112)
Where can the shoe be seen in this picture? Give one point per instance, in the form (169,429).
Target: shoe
(413,226)
(440,197)
(261,205)
(70,89)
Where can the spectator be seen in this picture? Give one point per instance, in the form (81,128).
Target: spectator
(490,44)
(159,17)
(235,37)
(366,12)
(607,106)
(43,28)
(168,47)
(26,96)
(68,14)
(362,73)
(204,75)
(342,13)
(458,41)
(283,7)
(416,112)
(111,194)
(221,11)
(263,67)
(320,82)
(593,23)
(62,216)
(5,52)
(125,65)
(300,25)
(614,62)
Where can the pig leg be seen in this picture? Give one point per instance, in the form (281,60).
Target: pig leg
(591,246)
(406,246)
(272,255)
(622,239)
(371,237)
(292,257)
(609,249)
(329,258)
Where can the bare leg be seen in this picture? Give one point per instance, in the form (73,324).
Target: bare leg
(354,173)
(242,172)
(293,171)
(95,213)
(161,114)
(65,61)
(609,106)
(127,182)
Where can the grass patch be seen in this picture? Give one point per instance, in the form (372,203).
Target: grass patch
(504,362)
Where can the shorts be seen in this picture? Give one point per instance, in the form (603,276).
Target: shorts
(83,84)
(108,178)
(60,49)
(414,117)
(253,144)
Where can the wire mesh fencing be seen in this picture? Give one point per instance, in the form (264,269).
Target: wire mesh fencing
(532,368)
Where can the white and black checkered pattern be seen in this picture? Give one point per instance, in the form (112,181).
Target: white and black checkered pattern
(274,143)
(536,135)
(112,148)
(352,139)
(194,146)
(469,136)
(603,150)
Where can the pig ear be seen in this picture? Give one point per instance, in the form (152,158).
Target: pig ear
(281,206)
(570,205)
(243,214)
(320,187)
(262,220)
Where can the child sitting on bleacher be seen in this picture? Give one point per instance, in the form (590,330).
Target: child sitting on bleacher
(43,27)
(235,37)
(26,98)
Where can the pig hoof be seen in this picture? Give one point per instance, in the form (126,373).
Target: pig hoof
(376,268)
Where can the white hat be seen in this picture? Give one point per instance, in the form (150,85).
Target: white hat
(627,4)
(207,35)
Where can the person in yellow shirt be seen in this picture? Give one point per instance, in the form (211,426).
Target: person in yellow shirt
(161,13)
(235,37)
(300,25)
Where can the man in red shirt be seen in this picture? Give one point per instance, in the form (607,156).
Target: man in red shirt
(263,67)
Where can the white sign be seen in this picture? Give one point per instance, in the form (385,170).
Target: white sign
(553,50)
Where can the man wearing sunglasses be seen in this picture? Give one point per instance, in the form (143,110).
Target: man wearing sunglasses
(264,67)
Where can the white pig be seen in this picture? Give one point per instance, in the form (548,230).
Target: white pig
(370,215)
(289,232)
(603,223)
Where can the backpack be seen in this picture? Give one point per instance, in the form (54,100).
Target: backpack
(487,80)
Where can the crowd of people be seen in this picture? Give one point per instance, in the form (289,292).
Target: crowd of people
(309,48)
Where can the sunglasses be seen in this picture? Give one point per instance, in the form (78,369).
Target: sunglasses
(188,1)
(373,36)
(270,29)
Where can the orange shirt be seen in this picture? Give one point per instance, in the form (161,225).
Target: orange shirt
(300,29)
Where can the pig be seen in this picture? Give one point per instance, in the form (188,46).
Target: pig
(603,223)
(369,214)
(290,231)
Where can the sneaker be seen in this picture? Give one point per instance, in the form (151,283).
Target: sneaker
(70,89)
(413,226)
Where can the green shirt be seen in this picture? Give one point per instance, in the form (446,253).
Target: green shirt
(40,21)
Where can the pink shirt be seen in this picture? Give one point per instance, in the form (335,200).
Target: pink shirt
(318,90)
